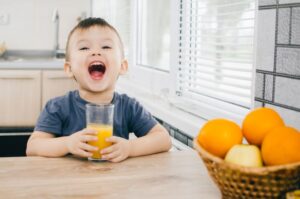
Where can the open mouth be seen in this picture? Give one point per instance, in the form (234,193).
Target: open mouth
(97,70)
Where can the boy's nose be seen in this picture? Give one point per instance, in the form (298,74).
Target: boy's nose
(94,54)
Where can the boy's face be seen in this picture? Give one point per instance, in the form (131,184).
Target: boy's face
(95,59)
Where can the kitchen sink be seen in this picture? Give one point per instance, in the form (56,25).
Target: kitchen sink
(19,59)
(30,55)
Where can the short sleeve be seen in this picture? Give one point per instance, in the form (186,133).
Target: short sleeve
(50,119)
(141,121)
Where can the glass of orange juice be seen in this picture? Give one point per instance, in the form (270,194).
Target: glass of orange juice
(100,118)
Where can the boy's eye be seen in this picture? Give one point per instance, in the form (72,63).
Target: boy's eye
(84,48)
(106,47)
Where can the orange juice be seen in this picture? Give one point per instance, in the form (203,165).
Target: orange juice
(103,132)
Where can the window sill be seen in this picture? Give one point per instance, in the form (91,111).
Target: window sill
(160,108)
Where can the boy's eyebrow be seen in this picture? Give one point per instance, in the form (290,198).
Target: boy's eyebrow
(107,39)
(85,40)
(82,40)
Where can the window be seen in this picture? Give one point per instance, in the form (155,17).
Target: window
(215,63)
(154,34)
(197,54)
(118,14)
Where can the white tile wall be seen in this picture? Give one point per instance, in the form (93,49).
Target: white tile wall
(295,26)
(283,25)
(287,91)
(291,118)
(288,60)
(30,22)
(265,39)
(269,87)
(259,85)
(266,2)
(284,95)
(288,1)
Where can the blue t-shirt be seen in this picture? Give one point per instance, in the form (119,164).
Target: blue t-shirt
(65,115)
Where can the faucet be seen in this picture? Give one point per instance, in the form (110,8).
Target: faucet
(55,19)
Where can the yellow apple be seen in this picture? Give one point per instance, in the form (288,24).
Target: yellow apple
(245,155)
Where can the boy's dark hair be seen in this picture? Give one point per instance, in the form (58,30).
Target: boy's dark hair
(86,24)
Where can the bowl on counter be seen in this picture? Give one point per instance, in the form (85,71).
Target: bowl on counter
(235,181)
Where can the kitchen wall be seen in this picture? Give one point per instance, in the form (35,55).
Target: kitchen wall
(278,58)
(27,24)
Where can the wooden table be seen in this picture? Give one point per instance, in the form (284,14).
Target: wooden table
(179,174)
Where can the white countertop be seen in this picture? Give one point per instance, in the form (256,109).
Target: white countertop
(162,109)
(30,64)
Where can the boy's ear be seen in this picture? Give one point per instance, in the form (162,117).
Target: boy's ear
(68,70)
(124,67)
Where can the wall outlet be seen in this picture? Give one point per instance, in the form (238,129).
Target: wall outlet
(4,19)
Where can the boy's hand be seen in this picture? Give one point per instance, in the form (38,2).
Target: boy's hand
(119,151)
(77,142)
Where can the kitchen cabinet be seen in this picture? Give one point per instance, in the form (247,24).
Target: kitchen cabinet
(25,92)
(55,83)
(20,101)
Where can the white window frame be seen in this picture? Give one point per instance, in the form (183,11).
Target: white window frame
(162,84)
(150,78)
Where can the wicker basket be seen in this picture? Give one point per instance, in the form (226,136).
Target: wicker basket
(236,181)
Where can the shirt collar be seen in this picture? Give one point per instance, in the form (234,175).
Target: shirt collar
(84,102)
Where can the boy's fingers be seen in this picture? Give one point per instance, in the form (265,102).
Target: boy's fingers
(111,156)
(108,150)
(87,138)
(112,139)
(117,159)
(83,153)
(89,131)
(87,147)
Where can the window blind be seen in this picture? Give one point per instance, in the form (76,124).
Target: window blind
(215,63)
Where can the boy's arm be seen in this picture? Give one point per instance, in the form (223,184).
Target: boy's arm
(157,140)
(46,144)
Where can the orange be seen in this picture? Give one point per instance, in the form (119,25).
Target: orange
(219,135)
(281,146)
(258,123)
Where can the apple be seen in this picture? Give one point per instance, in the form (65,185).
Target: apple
(245,155)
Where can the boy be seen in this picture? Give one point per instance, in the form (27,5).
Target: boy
(95,58)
